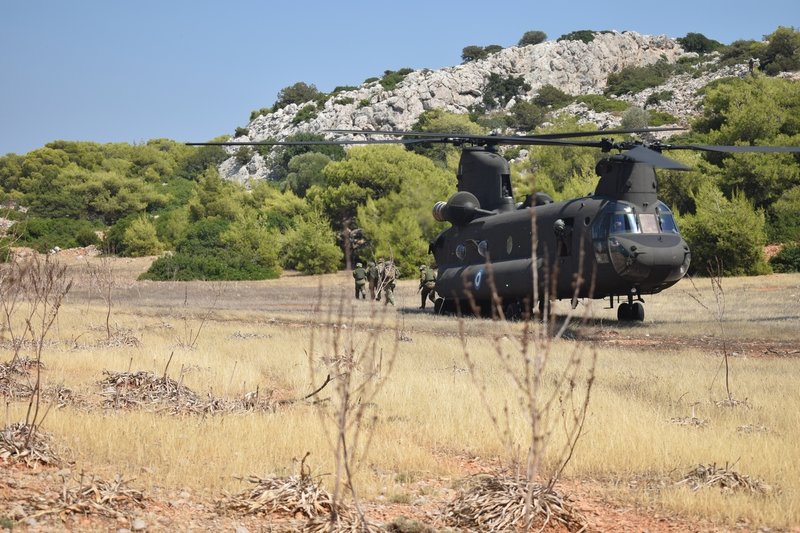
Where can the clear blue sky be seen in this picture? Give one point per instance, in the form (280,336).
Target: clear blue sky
(189,70)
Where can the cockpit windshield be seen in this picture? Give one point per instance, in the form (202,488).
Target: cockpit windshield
(622,218)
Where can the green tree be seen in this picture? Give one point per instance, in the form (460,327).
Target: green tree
(731,231)
(305,170)
(440,121)
(500,90)
(784,217)
(140,238)
(532,37)
(298,93)
(283,154)
(551,96)
(697,42)
(310,246)
(783,51)
(472,53)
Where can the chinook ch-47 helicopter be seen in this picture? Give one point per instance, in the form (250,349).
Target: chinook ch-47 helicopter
(620,242)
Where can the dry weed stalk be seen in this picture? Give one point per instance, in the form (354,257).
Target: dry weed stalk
(525,357)
(358,368)
(102,280)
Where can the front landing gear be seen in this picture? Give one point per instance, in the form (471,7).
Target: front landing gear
(630,311)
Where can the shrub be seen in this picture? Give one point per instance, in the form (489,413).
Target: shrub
(298,93)
(551,96)
(661,118)
(602,104)
(787,260)
(42,234)
(697,42)
(636,79)
(344,101)
(391,78)
(241,132)
(140,238)
(310,247)
(585,36)
(258,112)
(731,231)
(308,112)
(658,97)
(532,37)
(500,90)
(785,217)
(635,118)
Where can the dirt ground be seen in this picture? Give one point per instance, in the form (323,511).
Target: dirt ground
(183,510)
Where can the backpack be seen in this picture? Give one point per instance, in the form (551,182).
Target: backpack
(389,272)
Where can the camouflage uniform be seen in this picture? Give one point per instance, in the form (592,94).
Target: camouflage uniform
(372,278)
(427,284)
(388,282)
(379,279)
(360,276)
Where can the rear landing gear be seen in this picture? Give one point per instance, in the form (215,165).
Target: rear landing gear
(630,311)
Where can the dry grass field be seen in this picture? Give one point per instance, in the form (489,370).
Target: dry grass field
(162,399)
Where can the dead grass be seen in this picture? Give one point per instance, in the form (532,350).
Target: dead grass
(428,415)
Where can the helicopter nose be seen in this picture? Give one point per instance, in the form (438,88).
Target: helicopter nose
(654,258)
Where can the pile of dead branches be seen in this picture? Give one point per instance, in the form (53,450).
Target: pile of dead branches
(143,389)
(24,443)
(88,496)
(702,476)
(291,496)
(13,377)
(497,503)
(691,421)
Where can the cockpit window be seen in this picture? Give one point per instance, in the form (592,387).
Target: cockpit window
(648,223)
(665,219)
(624,222)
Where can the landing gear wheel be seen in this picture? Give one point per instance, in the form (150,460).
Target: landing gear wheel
(637,312)
(624,312)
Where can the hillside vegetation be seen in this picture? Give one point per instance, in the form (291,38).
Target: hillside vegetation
(323,209)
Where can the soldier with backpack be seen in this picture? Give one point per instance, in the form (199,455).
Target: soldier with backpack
(427,284)
(387,283)
(372,279)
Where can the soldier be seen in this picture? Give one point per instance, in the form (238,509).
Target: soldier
(372,278)
(379,283)
(427,284)
(388,281)
(360,276)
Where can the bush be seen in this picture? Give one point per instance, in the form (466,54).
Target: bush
(241,132)
(658,97)
(243,155)
(551,96)
(532,37)
(296,94)
(140,238)
(635,118)
(787,260)
(697,42)
(662,118)
(731,231)
(391,78)
(308,112)
(258,112)
(785,217)
(602,104)
(310,247)
(636,79)
(42,234)
(585,36)
(500,90)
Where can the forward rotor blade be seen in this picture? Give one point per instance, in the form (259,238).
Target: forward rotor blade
(313,143)
(726,149)
(507,138)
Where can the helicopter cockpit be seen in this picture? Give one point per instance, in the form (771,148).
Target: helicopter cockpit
(628,238)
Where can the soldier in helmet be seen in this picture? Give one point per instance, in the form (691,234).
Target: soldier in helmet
(360,277)
(372,279)
(427,284)
(388,279)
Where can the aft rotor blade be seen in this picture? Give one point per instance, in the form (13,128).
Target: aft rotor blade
(645,155)
(510,139)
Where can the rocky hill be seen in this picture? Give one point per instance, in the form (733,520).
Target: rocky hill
(575,67)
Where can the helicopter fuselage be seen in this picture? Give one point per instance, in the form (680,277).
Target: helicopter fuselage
(620,241)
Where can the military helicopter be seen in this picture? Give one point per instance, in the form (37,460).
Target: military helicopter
(620,242)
